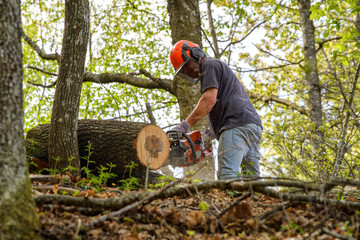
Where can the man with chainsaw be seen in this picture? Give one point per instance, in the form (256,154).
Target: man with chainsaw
(233,119)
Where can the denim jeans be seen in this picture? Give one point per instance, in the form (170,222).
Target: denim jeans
(239,148)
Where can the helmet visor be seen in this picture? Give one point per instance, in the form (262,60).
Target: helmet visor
(181,66)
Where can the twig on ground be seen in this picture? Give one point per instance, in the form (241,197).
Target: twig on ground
(272,211)
(233,204)
(118,213)
(317,227)
(78,227)
(51,188)
(337,235)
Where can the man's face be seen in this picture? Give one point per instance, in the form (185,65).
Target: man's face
(191,69)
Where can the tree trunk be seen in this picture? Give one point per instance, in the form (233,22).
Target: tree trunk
(120,143)
(18,218)
(185,24)
(63,132)
(314,88)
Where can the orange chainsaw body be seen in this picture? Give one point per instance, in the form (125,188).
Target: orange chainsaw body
(186,149)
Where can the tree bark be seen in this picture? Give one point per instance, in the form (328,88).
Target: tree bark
(18,218)
(186,24)
(63,132)
(314,88)
(111,141)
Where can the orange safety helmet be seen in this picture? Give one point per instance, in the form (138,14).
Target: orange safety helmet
(182,52)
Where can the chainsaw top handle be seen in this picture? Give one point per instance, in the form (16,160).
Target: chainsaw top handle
(191,144)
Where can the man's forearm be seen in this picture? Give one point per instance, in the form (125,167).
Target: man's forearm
(203,107)
(200,111)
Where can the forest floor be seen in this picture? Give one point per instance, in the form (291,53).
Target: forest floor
(207,213)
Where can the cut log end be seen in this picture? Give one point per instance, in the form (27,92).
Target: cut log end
(152,146)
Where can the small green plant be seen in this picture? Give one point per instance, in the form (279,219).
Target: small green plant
(192,173)
(30,148)
(89,149)
(93,180)
(203,206)
(70,168)
(164,180)
(340,196)
(31,163)
(105,173)
(292,225)
(246,173)
(54,171)
(130,183)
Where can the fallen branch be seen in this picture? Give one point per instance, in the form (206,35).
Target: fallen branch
(112,215)
(309,199)
(252,186)
(59,189)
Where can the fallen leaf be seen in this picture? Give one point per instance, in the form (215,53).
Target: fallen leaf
(56,189)
(242,210)
(194,218)
(173,215)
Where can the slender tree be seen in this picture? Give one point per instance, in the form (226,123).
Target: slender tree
(185,24)
(314,88)
(18,218)
(63,142)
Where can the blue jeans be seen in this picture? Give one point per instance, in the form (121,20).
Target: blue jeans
(239,148)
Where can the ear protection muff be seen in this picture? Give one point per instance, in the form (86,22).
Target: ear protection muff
(195,52)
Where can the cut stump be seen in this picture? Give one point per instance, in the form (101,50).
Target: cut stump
(118,142)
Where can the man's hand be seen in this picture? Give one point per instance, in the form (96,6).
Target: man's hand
(183,127)
(209,132)
(208,136)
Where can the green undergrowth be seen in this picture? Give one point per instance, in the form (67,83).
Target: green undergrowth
(100,178)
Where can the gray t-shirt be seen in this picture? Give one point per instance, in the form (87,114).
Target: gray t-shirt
(233,107)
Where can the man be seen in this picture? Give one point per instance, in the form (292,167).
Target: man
(232,117)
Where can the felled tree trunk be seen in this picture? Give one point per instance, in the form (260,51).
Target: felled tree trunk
(118,142)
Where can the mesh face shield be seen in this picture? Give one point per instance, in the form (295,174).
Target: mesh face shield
(186,77)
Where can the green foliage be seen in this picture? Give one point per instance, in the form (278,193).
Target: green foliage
(103,175)
(130,183)
(54,171)
(86,169)
(292,226)
(98,180)
(127,36)
(203,206)
(164,180)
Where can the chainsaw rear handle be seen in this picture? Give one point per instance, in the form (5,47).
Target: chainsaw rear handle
(192,145)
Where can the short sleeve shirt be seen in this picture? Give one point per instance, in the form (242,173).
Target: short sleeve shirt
(233,107)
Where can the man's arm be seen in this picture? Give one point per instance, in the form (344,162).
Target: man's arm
(203,107)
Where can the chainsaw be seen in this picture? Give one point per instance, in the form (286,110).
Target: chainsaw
(186,149)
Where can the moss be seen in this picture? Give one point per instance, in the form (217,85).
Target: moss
(18,218)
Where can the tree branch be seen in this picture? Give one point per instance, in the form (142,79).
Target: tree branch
(42,54)
(42,85)
(42,70)
(154,83)
(287,103)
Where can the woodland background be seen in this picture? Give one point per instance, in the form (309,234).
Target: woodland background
(299,61)
(306,96)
